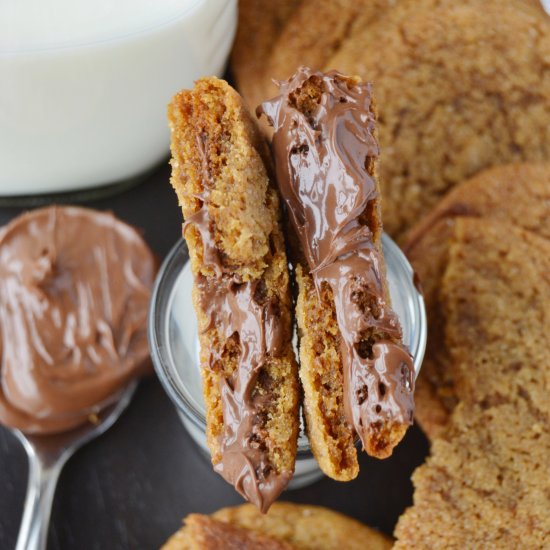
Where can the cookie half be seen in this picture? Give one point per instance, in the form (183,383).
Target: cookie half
(241,288)
(358,378)
(449,107)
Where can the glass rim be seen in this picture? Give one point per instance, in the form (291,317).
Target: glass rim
(158,316)
(82,45)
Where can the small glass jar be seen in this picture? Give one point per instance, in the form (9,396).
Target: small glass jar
(174,344)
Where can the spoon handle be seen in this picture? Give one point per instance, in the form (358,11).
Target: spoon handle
(43,476)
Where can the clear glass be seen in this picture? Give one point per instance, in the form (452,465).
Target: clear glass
(84,89)
(175,347)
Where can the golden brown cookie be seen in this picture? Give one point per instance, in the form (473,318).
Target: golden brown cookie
(206,533)
(260,24)
(486,484)
(456,95)
(496,299)
(273,40)
(241,290)
(299,526)
(519,194)
(461,107)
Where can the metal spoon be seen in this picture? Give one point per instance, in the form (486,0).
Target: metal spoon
(47,455)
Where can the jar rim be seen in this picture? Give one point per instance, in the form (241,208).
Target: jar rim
(399,272)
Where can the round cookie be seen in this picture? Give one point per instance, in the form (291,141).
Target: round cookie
(260,24)
(455,94)
(486,482)
(518,194)
(303,527)
(496,296)
(289,34)
(476,490)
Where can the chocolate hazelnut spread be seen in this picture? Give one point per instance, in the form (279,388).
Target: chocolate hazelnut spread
(321,155)
(74,292)
(242,311)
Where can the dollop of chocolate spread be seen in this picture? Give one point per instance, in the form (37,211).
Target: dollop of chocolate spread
(74,292)
(321,157)
(240,311)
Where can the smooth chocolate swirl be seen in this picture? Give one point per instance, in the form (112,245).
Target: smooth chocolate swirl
(240,310)
(321,159)
(74,292)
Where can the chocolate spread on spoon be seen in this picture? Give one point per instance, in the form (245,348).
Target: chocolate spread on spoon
(74,291)
(321,157)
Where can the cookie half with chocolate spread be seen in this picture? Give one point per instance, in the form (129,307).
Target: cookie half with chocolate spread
(357,376)
(220,171)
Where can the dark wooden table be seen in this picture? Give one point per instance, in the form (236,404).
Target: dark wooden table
(130,488)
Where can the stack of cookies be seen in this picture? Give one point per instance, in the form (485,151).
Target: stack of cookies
(484,258)
(517,195)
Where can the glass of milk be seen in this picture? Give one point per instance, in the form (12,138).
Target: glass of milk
(84,85)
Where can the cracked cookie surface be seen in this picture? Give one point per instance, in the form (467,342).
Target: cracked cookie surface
(297,526)
(455,94)
(486,482)
(517,194)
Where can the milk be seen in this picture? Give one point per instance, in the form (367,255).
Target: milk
(84,85)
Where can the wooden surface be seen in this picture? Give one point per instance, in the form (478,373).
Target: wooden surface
(130,488)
